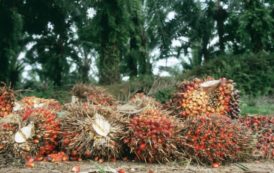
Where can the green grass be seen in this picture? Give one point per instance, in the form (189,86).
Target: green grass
(257,105)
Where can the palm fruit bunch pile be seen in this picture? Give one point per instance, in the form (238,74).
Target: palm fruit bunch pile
(37,135)
(93,94)
(152,136)
(206,97)
(91,131)
(263,128)
(7,99)
(215,139)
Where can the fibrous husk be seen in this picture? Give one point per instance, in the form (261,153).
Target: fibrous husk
(205,97)
(91,131)
(37,135)
(7,99)
(152,136)
(93,94)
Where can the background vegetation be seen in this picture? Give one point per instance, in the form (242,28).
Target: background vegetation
(48,45)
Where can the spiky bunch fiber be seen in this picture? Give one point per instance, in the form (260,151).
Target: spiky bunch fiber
(263,129)
(93,94)
(152,135)
(44,139)
(205,97)
(81,132)
(215,138)
(7,99)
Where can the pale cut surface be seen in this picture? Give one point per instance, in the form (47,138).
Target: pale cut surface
(210,83)
(101,125)
(24,133)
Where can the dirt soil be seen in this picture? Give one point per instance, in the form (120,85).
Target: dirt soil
(130,167)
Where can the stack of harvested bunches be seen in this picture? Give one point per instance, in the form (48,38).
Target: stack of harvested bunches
(197,123)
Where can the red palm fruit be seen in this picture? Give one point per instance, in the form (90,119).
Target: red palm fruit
(121,171)
(57,157)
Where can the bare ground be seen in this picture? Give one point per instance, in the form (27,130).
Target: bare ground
(131,167)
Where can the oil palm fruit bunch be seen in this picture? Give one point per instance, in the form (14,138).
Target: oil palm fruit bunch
(31,102)
(152,136)
(93,94)
(91,132)
(215,139)
(7,99)
(262,128)
(205,97)
(37,135)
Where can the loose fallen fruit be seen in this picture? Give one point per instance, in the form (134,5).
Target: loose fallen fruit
(121,171)
(215,165)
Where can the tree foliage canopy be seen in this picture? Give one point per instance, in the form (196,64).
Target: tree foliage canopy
(67,41)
